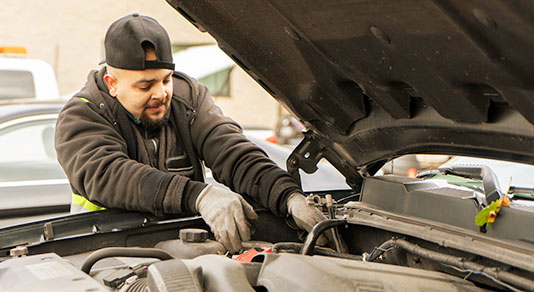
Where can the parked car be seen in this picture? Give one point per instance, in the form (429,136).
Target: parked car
(31,180)
(288,130)
(371,81)
(25,78)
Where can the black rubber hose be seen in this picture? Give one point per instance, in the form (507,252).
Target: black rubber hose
(457,262)
(132,252)
(316,231)
(335,254)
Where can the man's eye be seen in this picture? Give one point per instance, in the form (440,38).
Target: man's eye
(145,88)
(166,81)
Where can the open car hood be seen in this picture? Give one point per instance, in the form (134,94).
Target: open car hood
(377,79)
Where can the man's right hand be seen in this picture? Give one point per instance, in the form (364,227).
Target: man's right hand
(227,214)
(306,217)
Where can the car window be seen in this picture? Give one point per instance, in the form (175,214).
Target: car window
(16,84)
(27,152)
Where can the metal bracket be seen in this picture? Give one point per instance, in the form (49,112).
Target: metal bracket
(48,231)
(305,156)
(309,152)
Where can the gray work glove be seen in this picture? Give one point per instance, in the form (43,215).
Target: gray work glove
(227,214)
(307,216)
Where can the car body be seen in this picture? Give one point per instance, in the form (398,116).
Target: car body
(371,81)
(31,180)
(25,78)
(288,130)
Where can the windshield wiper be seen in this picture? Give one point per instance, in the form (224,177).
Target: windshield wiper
(514,189)
(490,184)
(522,193)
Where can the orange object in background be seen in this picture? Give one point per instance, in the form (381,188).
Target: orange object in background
(13,50)
(271,139)
(412,172)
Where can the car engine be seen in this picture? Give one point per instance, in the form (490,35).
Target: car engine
(373,250)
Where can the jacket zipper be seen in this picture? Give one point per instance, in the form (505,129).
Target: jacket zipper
(152,157)
(193,117)
(155,147)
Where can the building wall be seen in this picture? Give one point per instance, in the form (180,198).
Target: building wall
(249,103)
(69,34)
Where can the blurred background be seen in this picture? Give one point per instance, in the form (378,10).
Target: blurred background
(69,35)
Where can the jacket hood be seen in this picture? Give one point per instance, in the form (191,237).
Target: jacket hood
(377,79)
(96,89)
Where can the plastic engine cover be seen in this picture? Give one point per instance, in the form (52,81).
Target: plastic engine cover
(45,272)
(291,272)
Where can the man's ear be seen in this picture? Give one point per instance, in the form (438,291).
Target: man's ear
(111,82)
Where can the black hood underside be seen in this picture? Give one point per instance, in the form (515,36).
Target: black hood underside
(378,79)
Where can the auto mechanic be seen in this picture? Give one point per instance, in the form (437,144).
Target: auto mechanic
(136,134)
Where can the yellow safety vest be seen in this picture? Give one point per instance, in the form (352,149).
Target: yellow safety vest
(80,204)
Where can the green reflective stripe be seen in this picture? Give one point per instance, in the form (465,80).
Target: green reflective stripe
(84,203)
(84,99)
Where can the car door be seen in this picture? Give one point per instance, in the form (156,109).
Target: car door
(31,180)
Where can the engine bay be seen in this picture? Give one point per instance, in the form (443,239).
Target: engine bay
(375,249)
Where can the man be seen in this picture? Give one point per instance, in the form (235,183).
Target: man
(134,137)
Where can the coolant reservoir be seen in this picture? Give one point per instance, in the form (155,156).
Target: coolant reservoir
(193,242)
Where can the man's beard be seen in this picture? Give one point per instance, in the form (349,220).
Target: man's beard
(154,125)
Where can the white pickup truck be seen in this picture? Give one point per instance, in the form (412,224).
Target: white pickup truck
(23,78)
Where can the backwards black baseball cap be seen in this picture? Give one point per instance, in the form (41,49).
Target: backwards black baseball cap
(126,37)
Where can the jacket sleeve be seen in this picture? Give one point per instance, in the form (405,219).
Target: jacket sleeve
(94,157)
(234,160)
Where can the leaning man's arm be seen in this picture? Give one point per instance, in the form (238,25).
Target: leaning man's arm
(236,161)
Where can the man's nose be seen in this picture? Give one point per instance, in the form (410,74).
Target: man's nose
(159,92)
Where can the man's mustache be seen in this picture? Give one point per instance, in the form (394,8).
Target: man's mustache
(157,103)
